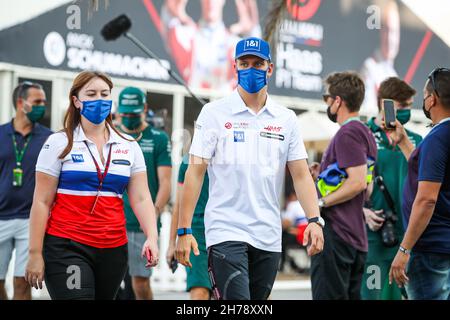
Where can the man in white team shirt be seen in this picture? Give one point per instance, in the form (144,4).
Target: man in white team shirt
(244,141)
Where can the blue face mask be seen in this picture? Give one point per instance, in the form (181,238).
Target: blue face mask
(96,111)
(252,80)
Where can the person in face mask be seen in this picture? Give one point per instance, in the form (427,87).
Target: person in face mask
(393,167)
(77,221)
(425,247)
(22,138)
(155,145)
(345,172)
(245,140)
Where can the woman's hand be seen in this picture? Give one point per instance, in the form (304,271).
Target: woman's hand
(150,251)
(34,272)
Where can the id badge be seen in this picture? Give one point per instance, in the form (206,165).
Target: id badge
(17,177)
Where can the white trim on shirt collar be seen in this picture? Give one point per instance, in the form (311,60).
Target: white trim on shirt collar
(444,120)
(80,136)
(238,104)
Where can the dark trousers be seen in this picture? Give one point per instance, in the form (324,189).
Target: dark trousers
(74,271)
(239,271)
(336,273)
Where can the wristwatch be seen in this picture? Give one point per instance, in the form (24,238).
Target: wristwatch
(321,203)
(405,251)
(318,220)
(184,231)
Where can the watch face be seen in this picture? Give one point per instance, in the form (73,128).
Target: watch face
(321,221)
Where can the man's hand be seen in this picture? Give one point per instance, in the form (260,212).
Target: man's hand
(183,251)
(398,269)
(314,169)
(373,220)
(396,135)
(313,239)
(247,11)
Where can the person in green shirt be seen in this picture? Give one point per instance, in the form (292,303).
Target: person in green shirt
(392,166)
(197,282)
(156,147)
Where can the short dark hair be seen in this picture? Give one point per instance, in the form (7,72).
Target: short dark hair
(442,83)
(21,91)
(396,89)
(349,86)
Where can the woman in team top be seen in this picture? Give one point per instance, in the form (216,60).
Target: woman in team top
(78,240)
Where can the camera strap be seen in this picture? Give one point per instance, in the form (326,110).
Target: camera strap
(387,196)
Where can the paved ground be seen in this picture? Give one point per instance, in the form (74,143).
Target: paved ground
(299,294)
(288,286)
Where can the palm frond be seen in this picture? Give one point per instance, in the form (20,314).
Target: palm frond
(272,23)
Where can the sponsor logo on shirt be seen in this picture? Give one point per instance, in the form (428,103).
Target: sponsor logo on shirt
(122,162)
(240,125)
(77,158)
(239,136)
(270,135)
(228,125)
(46,146)
(273,128)
(120,151)
(147,145)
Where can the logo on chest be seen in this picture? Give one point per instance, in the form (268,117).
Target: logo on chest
(239,136)
(122,162)
(77,158)
(273,128)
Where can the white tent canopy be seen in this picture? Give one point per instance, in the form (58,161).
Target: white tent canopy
(18,11)
(315,126)
(435,14)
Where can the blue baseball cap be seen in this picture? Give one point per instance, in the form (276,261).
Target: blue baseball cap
(253,47)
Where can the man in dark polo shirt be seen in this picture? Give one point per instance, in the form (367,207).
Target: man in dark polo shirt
(345,172)
(422,262)
(22,140)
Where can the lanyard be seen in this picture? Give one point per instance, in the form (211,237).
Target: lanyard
(100,176)
(19,154)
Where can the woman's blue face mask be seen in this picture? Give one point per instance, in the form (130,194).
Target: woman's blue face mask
(96,111)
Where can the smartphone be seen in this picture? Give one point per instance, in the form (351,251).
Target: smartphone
(174,265)
(389,112)
(148,256)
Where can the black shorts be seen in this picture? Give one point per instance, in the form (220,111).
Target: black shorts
(74,271)
(239,271)
(336,272)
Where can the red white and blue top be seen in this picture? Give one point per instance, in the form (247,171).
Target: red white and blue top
(86,209)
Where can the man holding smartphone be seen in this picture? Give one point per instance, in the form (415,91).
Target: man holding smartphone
(393,167)
(425,248)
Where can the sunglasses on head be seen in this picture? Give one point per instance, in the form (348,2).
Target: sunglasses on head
(432,77)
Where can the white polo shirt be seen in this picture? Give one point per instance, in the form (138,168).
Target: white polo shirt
(248,154)
(72,215)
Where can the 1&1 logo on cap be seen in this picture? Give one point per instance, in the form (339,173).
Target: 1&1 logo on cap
(252,44)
